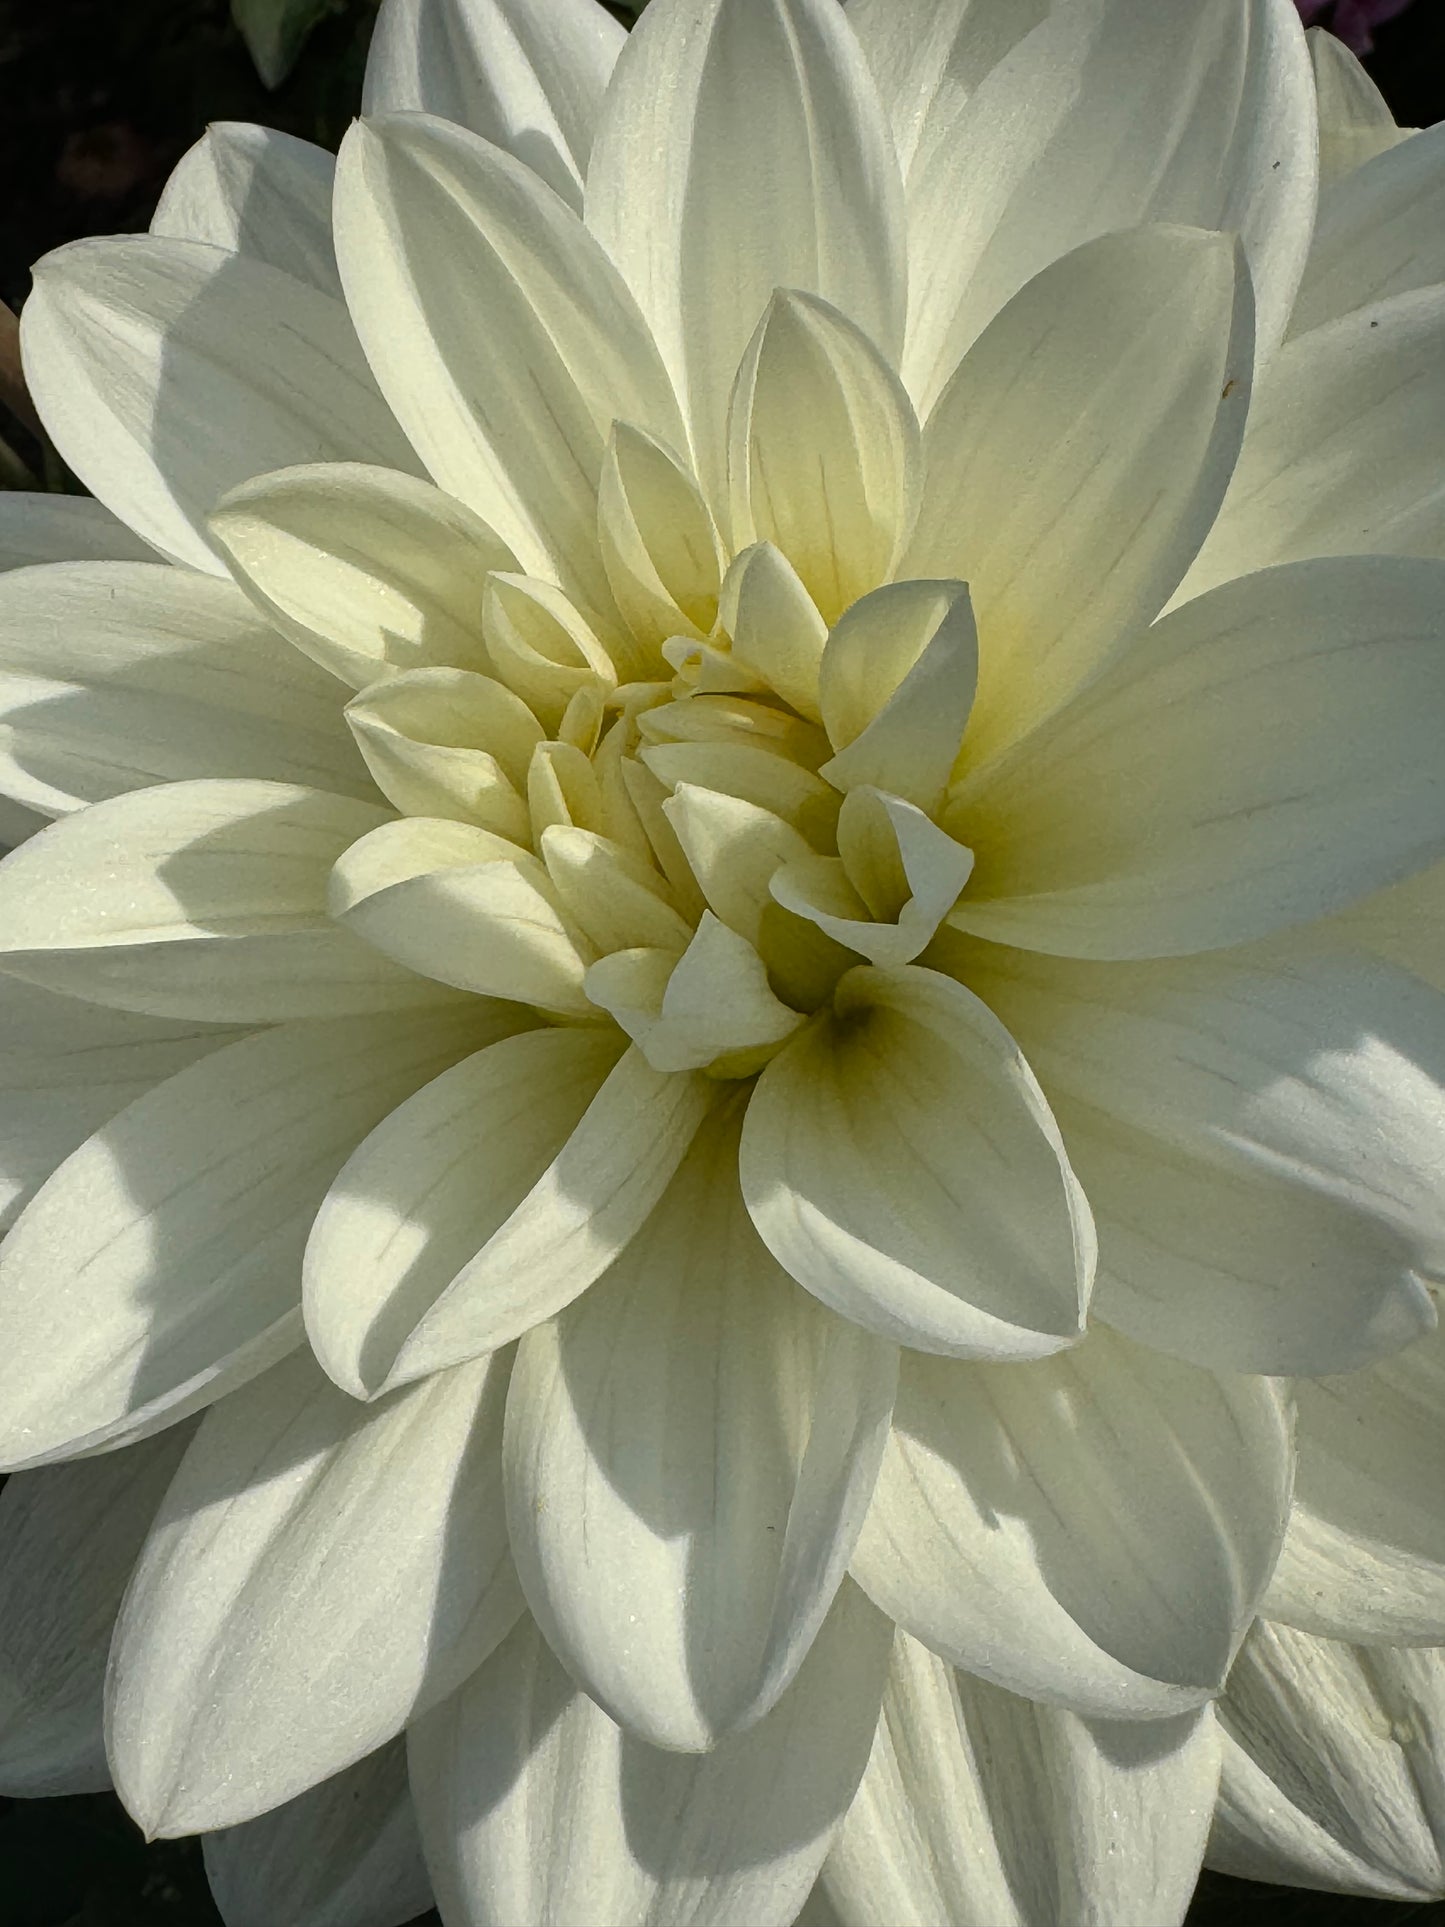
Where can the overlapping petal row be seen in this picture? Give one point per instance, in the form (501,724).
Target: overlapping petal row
(743,937)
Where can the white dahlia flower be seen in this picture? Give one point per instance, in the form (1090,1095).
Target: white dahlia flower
(741,947)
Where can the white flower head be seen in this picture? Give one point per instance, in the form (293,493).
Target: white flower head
(738,945)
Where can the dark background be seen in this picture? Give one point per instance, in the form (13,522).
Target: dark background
(98,100)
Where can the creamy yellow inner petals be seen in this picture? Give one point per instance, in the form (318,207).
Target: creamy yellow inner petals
(691,812)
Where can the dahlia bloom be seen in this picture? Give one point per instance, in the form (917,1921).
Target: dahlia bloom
(739,951)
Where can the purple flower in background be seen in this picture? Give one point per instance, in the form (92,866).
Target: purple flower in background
(1352,21)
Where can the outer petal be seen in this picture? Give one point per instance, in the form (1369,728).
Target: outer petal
(161,1264)
(1262,756)
(1262,1139)
(528,78)
(1094,1530)
(203,900)
(344,1854)
(368,571)
(534,1807)
(1077,458)
(69,1536)
(254,191)
(115,675)
(978,1806)
(168,371)
(924,53)
(63,528)
(500,332)
(690,1451)
(1405,923)
(1355,119)
(1110,114)
(66,1068)
(1380,232)
(995,1256)
(319,1572)
(1331,1767)
(742,149)
(433,1184)
(1364,1557)
(1342,453)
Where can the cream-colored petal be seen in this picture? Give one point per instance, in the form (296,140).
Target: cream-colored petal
(1262,756)
(528,78)
(69,1536)
(924,51)
(1342,452)
(1364,1557)
(1405,923)
(117,675)
(823,451)
(1110,114)
(895,687)
(63,528)
(252,190)
(1075,461)
(690,1450)
(1355,119)
(344,1854)
(365,569)
(168,371)
(449,743)
(911,1089)
(200,899)
(499,330)
(1331,1767)
(1095,1530)
(161,1265)
(1379,232)
(742,148)
(775,626)
(319,1573)
(979,1806)
(535,1807)
(660,546)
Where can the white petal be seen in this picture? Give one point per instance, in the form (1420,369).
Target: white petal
(161,1264)
(67,1067)
(500,332)
(1331,1767)
(775,625)
(535,1808)
(659,542)
(168,371)
(995,1255)
(528,77)
(979,1806)
(823,451)
(1364,1557)
(1342,452)
(116,675)
(1094,1530)
(1110,114)
(365,569)
(1379,232)
(425,1192)
(464,906)
(1405,923)
(63,528)
(1355,119)
(585,1207)
(895,687)
(1075,461)
(919,50)
(69,1535)
(743,148)
(1262,756)
(254,191)
(199,899)
(1295,1103)
(344,1854)
(450,743)
(319,1572)
(690,1450)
